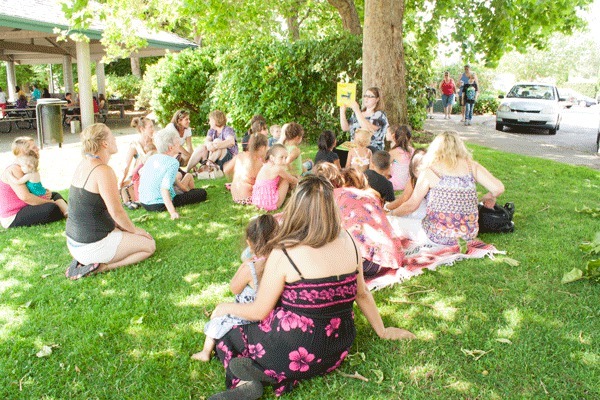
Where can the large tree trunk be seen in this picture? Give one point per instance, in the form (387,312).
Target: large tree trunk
(293,27)
(136,70)
(383,55)
(347,11)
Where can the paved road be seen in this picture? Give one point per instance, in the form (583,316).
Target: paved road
(575,142)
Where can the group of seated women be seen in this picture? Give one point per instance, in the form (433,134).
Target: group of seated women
(310,266)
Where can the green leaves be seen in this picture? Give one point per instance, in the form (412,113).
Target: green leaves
(591,271)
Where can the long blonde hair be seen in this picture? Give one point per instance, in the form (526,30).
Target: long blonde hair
(448,149)
(311,217)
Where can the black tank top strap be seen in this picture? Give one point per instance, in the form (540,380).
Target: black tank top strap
(88,177)
(355,249)
(293,264)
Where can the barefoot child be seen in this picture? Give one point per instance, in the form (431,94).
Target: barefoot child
(360,156)
(29,164)
(245,281)
(273,180)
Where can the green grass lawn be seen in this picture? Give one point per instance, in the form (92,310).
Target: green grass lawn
(485,329)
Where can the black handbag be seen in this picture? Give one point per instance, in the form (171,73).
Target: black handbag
(496,220)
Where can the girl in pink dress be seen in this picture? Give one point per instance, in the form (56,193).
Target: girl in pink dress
(401,151)
(273,180)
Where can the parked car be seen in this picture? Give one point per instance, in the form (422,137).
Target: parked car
(589,101)
(533,105)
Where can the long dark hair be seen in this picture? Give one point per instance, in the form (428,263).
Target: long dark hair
(402,135)
(326,140)
(259,233)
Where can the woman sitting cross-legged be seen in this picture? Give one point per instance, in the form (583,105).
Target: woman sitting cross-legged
(448,179)
(305,305)
(159,173)
(100,235)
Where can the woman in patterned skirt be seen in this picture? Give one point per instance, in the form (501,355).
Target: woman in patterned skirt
(448,179)
(310,283)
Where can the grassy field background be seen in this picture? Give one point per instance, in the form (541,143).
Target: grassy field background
(486,329)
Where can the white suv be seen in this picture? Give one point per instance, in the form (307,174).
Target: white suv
(534,105)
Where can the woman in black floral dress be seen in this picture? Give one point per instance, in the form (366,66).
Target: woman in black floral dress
(309,285)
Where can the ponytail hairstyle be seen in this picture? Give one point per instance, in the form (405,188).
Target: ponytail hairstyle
(326,141)
(140,123)
(275,150)
(258,126)
(259,233)
(256,118)
(401,135)
(92,138)
(257,140)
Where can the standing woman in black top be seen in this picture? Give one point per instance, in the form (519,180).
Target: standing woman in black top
(100,235)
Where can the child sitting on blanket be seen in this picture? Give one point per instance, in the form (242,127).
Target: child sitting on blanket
(414,169)
(245,281)
(273,181)
(29,164)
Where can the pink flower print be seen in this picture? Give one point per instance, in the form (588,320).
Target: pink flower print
(333,326)
(234,382)
(265,324)
(288,320)
(228,354)
(339,362)
(280,377)
(300,359)
(256,350)
(306,323)
(290,295)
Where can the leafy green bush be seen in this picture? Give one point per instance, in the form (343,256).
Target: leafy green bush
(287,81)
(282,81)
(180,81)
(123,87)
(486,104)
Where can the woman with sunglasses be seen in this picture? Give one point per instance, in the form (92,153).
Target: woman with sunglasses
(370,117)
(448,89)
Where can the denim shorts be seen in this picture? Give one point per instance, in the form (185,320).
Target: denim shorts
(447,100)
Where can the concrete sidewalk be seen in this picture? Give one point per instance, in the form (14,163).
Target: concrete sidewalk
(483,133)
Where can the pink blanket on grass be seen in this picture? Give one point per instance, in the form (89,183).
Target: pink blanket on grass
(419,258)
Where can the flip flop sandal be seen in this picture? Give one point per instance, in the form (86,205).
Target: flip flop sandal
(77,271)
(244,369)
(247,391)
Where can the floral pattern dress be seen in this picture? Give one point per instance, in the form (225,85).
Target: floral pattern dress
(308,333)
(452,211)
(364,218)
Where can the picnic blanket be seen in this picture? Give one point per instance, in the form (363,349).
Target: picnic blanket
(418,258)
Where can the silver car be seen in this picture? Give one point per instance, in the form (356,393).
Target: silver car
(533,105)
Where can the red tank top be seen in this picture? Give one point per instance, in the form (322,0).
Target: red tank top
(448,88)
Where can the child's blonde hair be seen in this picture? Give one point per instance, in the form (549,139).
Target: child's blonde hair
(276,149)
(415,162)
(273,129)
(29,162)
(362,137)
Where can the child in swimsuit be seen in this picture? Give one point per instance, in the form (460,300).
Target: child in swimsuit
(273,180)
(360,156)
(29,164)
(244,283)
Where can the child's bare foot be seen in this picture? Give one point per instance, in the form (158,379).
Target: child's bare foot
(201,356)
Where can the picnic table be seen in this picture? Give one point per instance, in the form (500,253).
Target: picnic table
(22,118)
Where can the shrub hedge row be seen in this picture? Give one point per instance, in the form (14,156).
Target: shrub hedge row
(282,81)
